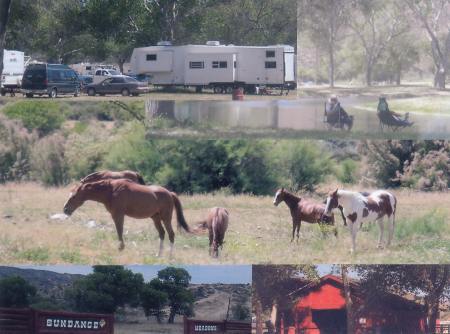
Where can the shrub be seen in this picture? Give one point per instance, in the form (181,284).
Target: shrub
(15,150)
(347,171)
(48,160)
(42,116)
(304,164)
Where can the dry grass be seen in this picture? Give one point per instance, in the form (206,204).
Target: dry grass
(258,233)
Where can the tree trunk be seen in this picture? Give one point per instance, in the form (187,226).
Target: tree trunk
(439,78)
(121,62)
(171,316)
(259,323)
(274,314)
(369,70)
(5,6)
(332,65)
(348,299)
(398,75)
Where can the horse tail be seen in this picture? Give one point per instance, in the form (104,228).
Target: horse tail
(140,179)
(179,210)
(215,228)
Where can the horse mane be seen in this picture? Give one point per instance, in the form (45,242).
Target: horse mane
(86,178)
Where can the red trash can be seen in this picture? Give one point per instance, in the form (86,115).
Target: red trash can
(238,94)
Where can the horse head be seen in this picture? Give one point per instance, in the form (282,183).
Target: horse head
(332,202)
(81,193)
(279,196)
(76,199)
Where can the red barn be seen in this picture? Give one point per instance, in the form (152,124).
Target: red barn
(320,309)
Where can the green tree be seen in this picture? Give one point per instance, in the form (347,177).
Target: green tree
(240,312)
(153,301)
(106,289)
(430,281)
(175,282)
(16,292)
(5,7)
(271,284)
(433,16)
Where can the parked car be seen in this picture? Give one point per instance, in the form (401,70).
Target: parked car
(50,79)
(85,80)
(117,85)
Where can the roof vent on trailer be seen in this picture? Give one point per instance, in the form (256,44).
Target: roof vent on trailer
(164,43)
(213,43)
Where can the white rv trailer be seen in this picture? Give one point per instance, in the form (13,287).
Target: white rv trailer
(13,69)
(216,66)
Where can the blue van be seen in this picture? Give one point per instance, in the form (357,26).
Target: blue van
(50,79)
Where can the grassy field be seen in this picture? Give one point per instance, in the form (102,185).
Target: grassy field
(258,232)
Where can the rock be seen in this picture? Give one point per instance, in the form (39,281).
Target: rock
(7,216)
(59,216)
(91,224)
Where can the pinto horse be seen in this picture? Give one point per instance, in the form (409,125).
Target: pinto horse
(106,174)
(358,209)
(125,198)
(303,210)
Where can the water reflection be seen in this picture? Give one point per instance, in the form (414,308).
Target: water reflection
(303,115)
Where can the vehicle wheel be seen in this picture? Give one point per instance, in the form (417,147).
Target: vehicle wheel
(125,92)
(91,92)
(77,92)
(53,94)
(198,89)
(218,90)
(29,95)
(229,90)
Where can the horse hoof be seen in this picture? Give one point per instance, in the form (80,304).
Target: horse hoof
(121,247)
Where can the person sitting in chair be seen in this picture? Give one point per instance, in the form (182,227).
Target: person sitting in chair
(383,111)
(336,115)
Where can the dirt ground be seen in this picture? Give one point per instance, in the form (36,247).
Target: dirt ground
(259,232)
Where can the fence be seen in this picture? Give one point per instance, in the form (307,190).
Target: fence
(193,326)
(29,321)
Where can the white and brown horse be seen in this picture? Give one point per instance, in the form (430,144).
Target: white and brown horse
(359,209)
(303,210)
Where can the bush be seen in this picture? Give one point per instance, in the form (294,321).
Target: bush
(48,160)
(15,150)
(42,116)
(347,172)
(303,164)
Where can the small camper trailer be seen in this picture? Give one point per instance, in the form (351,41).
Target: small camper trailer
(14,63)
(216,66)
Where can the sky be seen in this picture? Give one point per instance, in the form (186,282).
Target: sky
(206,274)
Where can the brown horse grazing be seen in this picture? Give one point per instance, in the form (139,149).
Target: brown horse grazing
(106,174)
(217,224)
(126,198)
(303,210)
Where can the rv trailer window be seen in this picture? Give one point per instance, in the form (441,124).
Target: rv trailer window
(196,64)
(219,64)
(271,64)
(152,57)
(270,54)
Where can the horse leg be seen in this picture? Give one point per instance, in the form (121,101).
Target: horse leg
(294,226)
(167,221)
(118,221)
(391,228)
(352,226)
(211,239)
(299,224)
(161,232)
(380,237)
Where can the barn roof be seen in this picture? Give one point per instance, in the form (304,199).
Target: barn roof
(376,301)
